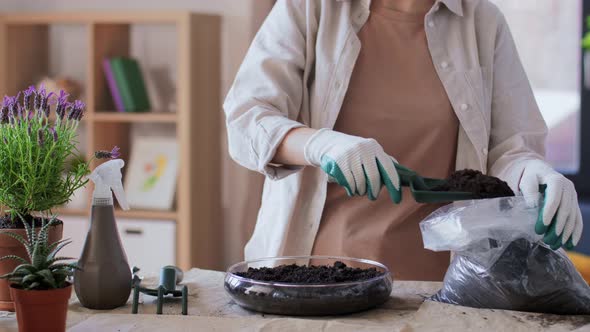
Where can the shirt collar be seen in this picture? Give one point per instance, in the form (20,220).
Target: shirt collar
(456,6)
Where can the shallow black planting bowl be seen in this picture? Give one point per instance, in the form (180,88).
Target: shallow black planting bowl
(308,299)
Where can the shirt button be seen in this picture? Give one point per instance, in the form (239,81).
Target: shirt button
(464,107)
(484,151)
(431,24)
(337,84)
(444,64)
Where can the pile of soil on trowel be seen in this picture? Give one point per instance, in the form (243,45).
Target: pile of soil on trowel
(481,185)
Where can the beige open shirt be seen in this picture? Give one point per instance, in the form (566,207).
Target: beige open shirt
(296,73)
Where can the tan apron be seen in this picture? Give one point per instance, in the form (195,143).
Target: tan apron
(396,97)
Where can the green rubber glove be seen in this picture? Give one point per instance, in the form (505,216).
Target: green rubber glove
(358,164)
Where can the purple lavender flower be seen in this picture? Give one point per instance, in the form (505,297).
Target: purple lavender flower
(10,103)
(15,103)
(31,115)
(53,133)
(61,104)
(6,101)
(39,96)
(62,97)
(72,113)
(19,111)
(77,111)
(40,137)
(27,97)
(113,154)
(46,110)
(44,107)
(4,110)
(30,129)
(62,109)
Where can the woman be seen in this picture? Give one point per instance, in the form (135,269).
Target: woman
(340,90)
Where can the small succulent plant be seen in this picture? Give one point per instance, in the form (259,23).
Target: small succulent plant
(42,269)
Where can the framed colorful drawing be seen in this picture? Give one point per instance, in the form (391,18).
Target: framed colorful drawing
(150,181)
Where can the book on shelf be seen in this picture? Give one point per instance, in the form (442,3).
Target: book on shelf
(112,84)
(128,83)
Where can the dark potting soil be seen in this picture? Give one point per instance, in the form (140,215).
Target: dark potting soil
(481,185)
(6,222)
(305,297)
(302,274)
(525,277)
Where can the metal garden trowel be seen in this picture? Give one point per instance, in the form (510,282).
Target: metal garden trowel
(170,277)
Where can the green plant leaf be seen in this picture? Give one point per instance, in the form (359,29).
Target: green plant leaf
(40,252)
(62,272)
(60,275)
(19,274)
(16,280)
(32,286)
(56,243)
(60,280)
(47,278)
(20,239)
(29,230)
(50,262)
(26,268)
(57,249)
(43,236)
(72,266)
(31,278)
(14,257)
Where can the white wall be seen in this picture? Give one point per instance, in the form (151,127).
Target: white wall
(547,35)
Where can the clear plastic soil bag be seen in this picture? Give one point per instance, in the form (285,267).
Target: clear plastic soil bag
(499,261)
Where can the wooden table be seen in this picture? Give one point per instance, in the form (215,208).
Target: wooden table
(210,309)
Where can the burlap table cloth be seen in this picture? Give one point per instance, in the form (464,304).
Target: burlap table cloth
(211,309)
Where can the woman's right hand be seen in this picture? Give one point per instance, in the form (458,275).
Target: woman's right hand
(358,164)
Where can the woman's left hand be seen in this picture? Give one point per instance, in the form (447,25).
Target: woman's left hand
(560,219)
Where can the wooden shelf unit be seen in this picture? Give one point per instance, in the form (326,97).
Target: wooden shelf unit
(147,117)
(24,53)
(132,214)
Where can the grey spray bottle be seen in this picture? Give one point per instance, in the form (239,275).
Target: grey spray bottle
(104,281)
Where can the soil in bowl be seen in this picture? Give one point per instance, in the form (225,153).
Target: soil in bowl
(303,274)
(481,185)
(310,290)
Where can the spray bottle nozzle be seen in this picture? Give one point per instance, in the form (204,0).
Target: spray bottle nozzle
(107,177)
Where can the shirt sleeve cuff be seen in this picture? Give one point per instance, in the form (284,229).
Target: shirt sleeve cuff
(272,131)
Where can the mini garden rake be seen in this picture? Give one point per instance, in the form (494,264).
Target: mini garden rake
(170,276)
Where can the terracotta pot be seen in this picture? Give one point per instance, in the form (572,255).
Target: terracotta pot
(9,246)
(41,310)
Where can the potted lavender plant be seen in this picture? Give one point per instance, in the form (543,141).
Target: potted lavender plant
(34,150)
